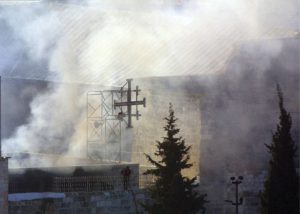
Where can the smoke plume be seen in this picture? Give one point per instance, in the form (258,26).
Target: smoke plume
(104,43)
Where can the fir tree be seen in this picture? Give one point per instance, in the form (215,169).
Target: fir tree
(281,189)
(172,193)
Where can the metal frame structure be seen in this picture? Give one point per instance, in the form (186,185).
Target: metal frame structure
(106,111)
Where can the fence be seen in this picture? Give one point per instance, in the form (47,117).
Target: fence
(86,184)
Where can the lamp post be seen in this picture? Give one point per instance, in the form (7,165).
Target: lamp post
(238,202)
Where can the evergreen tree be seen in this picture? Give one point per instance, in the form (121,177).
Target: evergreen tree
(172,193)
(281,189)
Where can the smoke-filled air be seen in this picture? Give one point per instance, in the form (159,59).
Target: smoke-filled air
(81,45)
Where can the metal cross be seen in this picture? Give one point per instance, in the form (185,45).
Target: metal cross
(129,103)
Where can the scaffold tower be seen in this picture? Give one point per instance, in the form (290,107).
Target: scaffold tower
(108,112)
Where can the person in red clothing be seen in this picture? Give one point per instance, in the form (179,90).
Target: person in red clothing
(126,173)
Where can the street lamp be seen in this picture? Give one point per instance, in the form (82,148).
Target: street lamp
(238,202)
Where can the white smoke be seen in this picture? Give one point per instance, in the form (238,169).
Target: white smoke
(109,42)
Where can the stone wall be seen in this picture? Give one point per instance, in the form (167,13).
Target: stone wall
(122,202)
(3,185)
(249,190)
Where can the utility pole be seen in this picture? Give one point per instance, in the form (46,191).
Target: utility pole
(238,202)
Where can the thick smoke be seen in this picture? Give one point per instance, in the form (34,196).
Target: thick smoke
(76,42)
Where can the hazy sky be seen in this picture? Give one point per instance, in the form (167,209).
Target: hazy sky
(109,41)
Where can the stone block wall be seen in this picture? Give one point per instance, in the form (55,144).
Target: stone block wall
(122,202)
(249,190)
(3,185)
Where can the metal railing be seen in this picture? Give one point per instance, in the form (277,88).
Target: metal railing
(99,183)
(84,184)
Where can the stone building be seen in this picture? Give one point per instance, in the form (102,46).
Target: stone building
(239,114)
(3,185)
(149,129)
